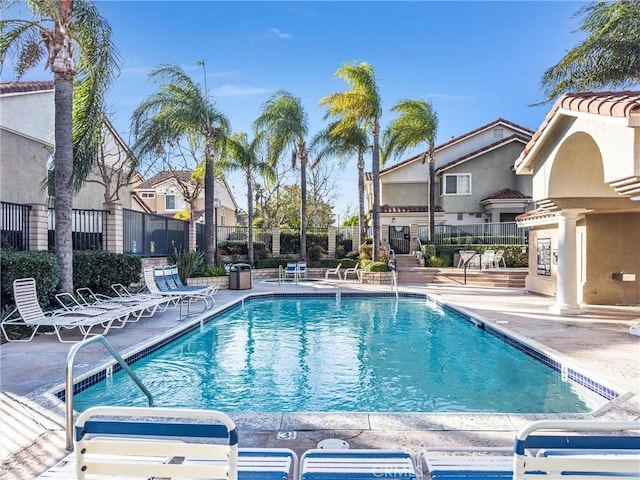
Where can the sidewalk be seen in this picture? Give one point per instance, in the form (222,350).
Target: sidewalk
(31,420)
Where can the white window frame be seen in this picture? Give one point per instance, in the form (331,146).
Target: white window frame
(175,202)
(457,175)
(148,195)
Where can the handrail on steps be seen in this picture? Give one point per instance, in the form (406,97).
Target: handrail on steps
(68,396)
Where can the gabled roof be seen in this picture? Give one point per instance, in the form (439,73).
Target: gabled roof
(515,137)
(182,175)
(25,87)
(524,133)
(506,194)
(623,104)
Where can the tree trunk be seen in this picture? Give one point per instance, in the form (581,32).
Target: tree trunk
(432,197)
(63,161)
(250,212)
(303,204)
(361,214)
(209,196)
(375,170)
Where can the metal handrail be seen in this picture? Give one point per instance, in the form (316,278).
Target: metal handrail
(419,244)
(68,398)
(392,266)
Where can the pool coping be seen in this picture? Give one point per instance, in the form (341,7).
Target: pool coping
(551,358)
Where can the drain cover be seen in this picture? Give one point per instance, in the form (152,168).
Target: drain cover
(333,444)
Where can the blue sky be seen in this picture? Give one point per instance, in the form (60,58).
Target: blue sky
(476,61)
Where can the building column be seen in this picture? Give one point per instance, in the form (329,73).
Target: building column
(192,236)
(567,277)
(39,227)
(413,235)
(275,242)
(114,236)
(331,247)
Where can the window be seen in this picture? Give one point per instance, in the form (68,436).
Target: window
(457,184)
(460,216)
(170,202)
(148,195)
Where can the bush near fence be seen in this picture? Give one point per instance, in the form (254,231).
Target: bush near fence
(290,241)
(260,250)
(41,266)
(98,270)
(327,263)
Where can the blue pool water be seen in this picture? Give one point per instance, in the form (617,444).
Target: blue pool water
(350,354)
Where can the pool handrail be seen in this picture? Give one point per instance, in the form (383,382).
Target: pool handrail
(68,397)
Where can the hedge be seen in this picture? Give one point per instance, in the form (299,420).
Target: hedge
(41,266)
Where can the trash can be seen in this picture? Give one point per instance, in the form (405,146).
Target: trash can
(240,276)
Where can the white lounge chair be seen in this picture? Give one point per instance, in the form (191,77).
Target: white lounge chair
(138,307)
(127,442)
(302,269)
(361,464)
(499,258)
(333,271)
(354,270)
(154,279)
(30,313)
(290,271)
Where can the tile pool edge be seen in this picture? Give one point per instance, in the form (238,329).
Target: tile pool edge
(537,351)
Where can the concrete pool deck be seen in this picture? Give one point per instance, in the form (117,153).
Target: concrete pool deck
(598,341)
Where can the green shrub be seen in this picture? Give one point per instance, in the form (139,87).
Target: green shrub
(376,267)
(314,254)
(428,251)
(98,269)
(272,262)
(214,271)
(434,261)
(189,264)
(42,266)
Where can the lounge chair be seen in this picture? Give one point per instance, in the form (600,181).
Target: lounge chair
(175,283)
(119,442)
(333,271)
(138,307)
(547,449)
(360,464)
(290,271)
(355,270)
(30,313)
(302,269)
(156,284)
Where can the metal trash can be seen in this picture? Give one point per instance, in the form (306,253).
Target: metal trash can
(240,276)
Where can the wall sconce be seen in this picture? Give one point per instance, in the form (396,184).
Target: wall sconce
(393,220)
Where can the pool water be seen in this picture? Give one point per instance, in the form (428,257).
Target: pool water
(349,354)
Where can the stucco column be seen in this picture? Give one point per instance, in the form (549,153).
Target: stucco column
(567,278)
(38,227)
(331,247)
(413,235)
(275,242)
(355,238)
(114,236)
(192,236)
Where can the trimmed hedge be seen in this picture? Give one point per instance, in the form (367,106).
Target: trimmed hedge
(42,266)
(98,270)
(513,254)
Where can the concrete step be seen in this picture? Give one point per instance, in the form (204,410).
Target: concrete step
(508,278)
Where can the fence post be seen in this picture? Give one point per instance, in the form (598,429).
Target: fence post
(114,236)
(275,242)
(38,227)
(192,237)
(355,238)
(331,247)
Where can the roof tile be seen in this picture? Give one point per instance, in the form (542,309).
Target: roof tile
(23,87)
(506,193)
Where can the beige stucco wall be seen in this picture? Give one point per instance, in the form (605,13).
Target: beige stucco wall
(607,242)
(403,194)
(24,168)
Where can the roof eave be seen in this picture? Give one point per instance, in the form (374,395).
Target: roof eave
(524,165)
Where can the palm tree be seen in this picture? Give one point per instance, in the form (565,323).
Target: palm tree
(244,155)
(608,57)
(417,123)
(362,104)
(284,123)
(182,108)
(57,29)
(344,138)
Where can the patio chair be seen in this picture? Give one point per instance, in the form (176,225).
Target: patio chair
(119,442)
(302,269)
(499,257)
(290,271)
(138,307)
(354,270)
(156,283)
(30,313)
(333,271)
(361,464)
(174,282)
(577,448)
(468,257)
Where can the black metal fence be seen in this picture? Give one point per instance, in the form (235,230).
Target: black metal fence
(89,229)
(153,235)
(14,226)
(503,233)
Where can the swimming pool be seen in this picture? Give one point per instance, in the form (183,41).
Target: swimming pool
(337,353)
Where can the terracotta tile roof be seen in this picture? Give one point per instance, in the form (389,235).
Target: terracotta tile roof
(23,87)
(525,133)
(537,214)
(611,104)
(487,148)
(183,175)
(408,209)
(505,194)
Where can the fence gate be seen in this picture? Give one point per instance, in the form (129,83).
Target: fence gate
(399,239)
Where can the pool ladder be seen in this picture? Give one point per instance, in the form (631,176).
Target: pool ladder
(68,395)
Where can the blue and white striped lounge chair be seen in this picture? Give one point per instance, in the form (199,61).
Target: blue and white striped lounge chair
(134,442)
(156,284)
(291,271)
(360,464)
(30,313)
(175,283)
(546,450)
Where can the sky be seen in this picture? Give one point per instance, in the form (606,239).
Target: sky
(475,61)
